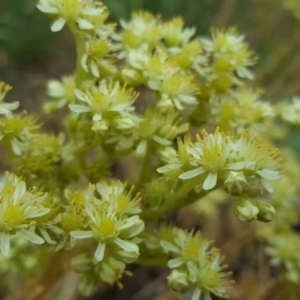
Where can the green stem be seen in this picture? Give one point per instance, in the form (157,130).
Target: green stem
(81,74)
(118,155)
(173,200)
(144,168)
(81,155)
(153,261)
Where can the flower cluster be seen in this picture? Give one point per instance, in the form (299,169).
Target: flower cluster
(109,104)
(291,113)
(159,129)
(217,157)
(19,209)
(97,59)
(196,264)
(284,250)
(80,12)
(133,94)
(6,108)
(113,222)
(230,52)
(239,110)
(282,243)
(61,93)
(42,154)
(16,131)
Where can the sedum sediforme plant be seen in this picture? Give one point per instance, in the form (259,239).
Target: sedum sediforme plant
(176,112)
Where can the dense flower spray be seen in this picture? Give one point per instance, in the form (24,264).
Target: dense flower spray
(98,195)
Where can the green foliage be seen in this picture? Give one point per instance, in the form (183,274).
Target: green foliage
(19,19)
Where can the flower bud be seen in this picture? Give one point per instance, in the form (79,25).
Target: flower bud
(253,191)
(178,281)
(165,105)
(50,107)
(167,154)
(100,127)
(125,123)
(266,213)
(88,284)
(235,183)
(245,210)
(82,262)
(131,76)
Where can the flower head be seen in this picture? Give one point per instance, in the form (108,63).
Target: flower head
(215,155)
(18,210)
(62,93)
(196,264)
(254,157)
(176,89)
(159,129)
(143,28)
(17,130)
(6,108)
(113,229)
(230,52)
(76,11)
(241,109)
(109,105)
(187,246)
(208,276)
(291,112)
(97,59)
(174,34)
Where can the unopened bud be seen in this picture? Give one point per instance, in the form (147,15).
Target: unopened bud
(253,191)
(82,262)
(266,213)
(130,76)
(125,123)
(100,127)
(165,105)
(178,281)
(88,284)
(167,154)
(235,183)
(245,210)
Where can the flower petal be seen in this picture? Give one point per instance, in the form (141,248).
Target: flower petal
(168,246)
(47,9)
(31,236)
(58,24)
(79,108)
(142,146)
(161,140)
(268,174)
(127,246)
(175,263)
(99,254)
(5,244)
(94,69)
(210,181)
(81,96)
(84,24)
(19,192)
(169,167)
(47,237)
(192,173)
(196,294)
(81,234)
